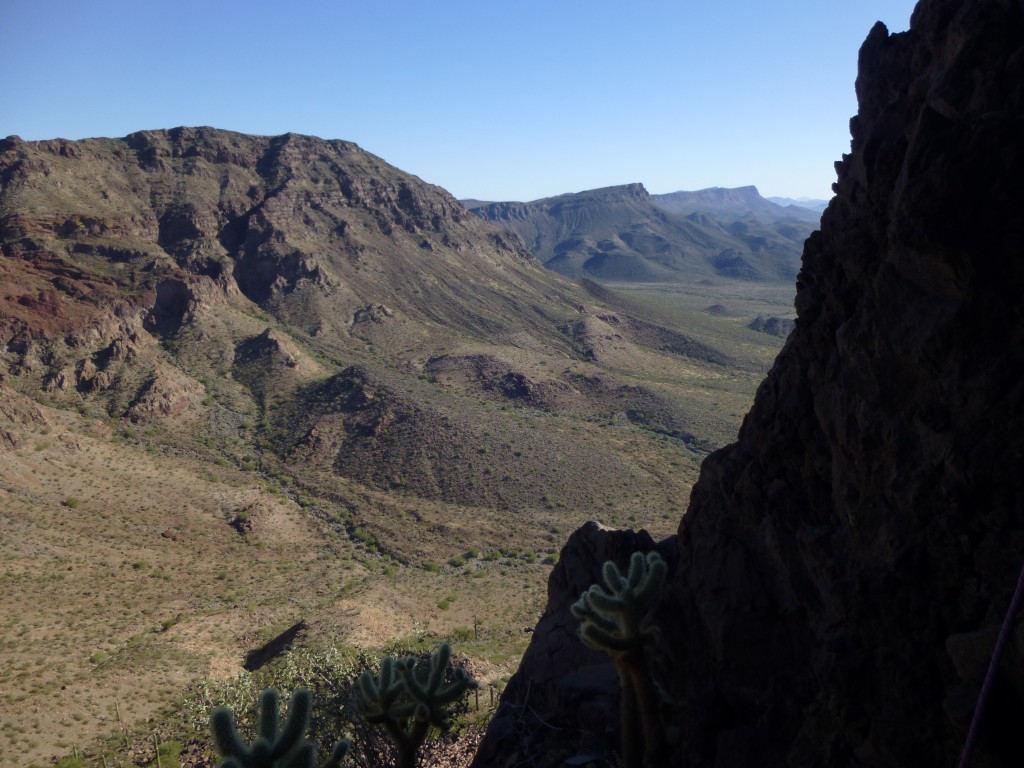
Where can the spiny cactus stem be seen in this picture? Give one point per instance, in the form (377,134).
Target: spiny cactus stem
(640,702)
(613,577)
(438,663)
(629,715)
(406,699)
(225,733)
(269,714)
(407,742)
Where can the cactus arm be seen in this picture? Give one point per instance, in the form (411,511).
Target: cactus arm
(299,711)
(602,602)
(275,747)
(225,734)
(268,715)
(340,751)
(637,570)
(439,661)
(613,577)
(601,640)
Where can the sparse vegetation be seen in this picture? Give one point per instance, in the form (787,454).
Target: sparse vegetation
(374,470)
(408,698)
(276,746)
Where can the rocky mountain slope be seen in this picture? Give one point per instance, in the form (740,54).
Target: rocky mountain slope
(315,389)
(268,279)
(625,234)
(842,572)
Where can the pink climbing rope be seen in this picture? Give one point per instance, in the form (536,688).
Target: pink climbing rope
(993,665)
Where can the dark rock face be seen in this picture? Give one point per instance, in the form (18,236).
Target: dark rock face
(842,570)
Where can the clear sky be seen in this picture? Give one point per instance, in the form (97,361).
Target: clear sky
(497,100)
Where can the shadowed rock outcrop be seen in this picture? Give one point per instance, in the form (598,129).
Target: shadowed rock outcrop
(843,568)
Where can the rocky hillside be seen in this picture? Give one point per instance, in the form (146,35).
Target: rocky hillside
(289,222)
(307,303)
(625,234)
(314,388)
(843,570)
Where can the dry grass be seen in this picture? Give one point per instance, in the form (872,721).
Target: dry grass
(122,579)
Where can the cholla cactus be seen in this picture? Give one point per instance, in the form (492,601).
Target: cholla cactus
(407,699)
(274,747)
(611,615)
(610,621)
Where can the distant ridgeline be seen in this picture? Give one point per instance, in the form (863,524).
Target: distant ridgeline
(626,234)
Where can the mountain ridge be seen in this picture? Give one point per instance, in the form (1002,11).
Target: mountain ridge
(310,365)
(624,233)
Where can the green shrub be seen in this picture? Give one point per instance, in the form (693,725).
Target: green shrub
(332,676)
(169,752)
(462,634)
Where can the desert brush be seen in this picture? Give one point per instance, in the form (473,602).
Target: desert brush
(275,747)
(408,698)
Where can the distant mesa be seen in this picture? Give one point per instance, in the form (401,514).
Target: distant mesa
(734,204)
(623,233)
(801,202)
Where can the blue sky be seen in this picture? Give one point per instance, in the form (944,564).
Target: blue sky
(492,100)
